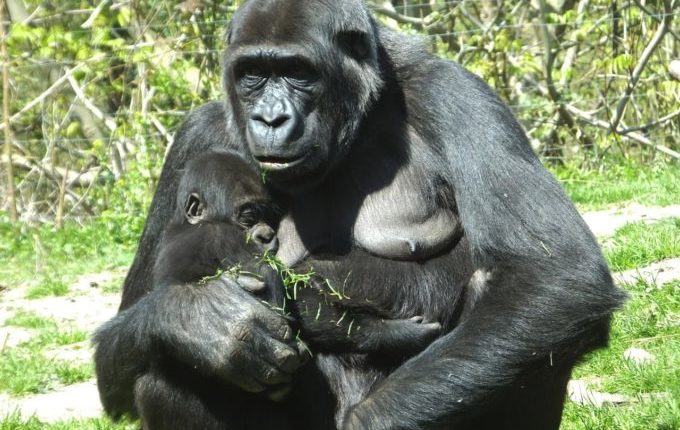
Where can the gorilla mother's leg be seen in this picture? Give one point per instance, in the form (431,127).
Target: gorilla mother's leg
(179,398)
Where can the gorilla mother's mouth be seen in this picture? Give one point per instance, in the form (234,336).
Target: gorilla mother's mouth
(278,164)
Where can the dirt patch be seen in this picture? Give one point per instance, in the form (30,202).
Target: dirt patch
(659,273)
(85,307)
(72,402)
(605,223)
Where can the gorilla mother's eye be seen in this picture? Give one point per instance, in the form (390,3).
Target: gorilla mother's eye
(250,74)
(355,43)
(300,72)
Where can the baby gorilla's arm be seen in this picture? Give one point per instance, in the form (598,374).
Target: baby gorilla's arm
(332,323)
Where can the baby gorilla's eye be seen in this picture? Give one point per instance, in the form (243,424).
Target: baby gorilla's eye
(248,216)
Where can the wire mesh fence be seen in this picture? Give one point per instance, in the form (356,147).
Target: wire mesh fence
(95,93)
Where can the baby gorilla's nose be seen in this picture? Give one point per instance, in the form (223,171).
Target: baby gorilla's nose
(265,237)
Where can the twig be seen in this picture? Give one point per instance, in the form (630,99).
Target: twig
(651,124)
(419,23)
(59,218)
(642,62)
(83,179)
(652,15)
(586,117)
(164,132)
(48,92)
(108,122)
(11,195)
(95,13)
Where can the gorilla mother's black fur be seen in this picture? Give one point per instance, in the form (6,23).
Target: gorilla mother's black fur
(369,142)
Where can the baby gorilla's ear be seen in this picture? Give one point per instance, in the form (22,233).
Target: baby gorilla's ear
(194,210)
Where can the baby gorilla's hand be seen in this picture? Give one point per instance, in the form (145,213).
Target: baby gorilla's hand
(412,334)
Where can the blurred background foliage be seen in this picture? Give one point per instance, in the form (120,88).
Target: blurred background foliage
(95,89)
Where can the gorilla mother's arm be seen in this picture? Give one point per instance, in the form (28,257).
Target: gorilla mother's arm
(217,328)
(548,295)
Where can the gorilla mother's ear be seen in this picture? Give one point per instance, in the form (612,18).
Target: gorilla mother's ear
(356,44)
(194,210)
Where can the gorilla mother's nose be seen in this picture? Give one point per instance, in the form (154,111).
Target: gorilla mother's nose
(274,121)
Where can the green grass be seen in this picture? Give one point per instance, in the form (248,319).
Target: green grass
(59,257)
(651,321)
(639,244)
(624,182)
(29,320)
(48,287)
(60,337)
(16,422)
(25,370)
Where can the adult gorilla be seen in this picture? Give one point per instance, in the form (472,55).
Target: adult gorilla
(369,142)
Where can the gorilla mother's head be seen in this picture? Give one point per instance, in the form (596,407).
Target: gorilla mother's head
(300,76)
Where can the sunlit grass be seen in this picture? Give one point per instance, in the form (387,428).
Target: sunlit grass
(15,422)
(623,182)
(639,244)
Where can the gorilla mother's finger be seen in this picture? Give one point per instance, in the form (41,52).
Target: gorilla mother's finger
(281,355)
(259,361)
(273,323)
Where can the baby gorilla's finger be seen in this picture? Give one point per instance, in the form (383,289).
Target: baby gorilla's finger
(303,351)
(251,284)
(279,393)
(435,326)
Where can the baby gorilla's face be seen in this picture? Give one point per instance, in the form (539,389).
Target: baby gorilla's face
(253,217)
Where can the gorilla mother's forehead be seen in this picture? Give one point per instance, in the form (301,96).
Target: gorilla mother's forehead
(281,21)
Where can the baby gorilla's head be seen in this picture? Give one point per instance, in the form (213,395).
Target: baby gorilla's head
(220,187)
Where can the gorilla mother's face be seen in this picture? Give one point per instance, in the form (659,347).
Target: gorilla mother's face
(300,79)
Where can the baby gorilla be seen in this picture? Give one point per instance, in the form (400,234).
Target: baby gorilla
(226,219)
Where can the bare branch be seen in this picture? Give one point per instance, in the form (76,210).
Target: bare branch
(419,23)
(95,13)
(637,137)
(57,174)
(642,62)
(41,98)
(660,121)
(108,122)
(572,52)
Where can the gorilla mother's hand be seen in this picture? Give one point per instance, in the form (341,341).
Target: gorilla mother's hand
(221,329)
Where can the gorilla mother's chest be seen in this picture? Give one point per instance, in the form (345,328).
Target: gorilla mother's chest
(401,216)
